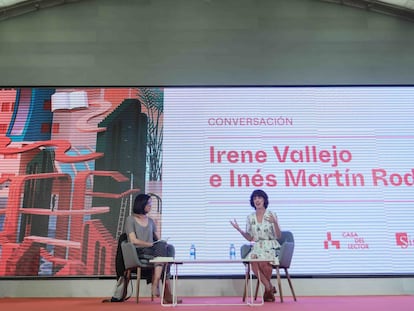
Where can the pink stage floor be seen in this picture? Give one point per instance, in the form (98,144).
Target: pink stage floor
(338,303)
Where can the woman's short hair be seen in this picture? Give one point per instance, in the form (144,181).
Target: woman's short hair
(259,193)
(140,202)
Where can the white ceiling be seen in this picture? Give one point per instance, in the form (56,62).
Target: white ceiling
(407,4)
(403,3)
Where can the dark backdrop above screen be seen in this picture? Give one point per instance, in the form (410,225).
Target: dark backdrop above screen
(336,163)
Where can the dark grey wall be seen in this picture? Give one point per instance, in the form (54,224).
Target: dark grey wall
(205,42)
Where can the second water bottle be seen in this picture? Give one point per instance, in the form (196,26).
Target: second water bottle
(192,252)
(232,252)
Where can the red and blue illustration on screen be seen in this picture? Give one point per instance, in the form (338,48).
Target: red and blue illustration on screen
(70,162)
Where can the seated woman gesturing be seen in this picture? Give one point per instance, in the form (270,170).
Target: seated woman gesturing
(263,229)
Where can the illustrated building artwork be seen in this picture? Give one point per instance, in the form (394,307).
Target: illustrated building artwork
(71,160)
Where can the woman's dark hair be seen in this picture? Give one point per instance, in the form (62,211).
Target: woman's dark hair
(259,193)
(140,202)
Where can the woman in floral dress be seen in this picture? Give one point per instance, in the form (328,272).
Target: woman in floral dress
(263,229)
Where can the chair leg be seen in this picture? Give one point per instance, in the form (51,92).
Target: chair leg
(127,279)
(279,283)
(138,281)
(290,283)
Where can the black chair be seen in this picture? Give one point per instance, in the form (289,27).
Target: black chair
(135,264)
(285,254)
(138,264)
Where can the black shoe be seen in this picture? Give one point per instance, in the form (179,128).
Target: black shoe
(113,299)
(169,301)
(269,296)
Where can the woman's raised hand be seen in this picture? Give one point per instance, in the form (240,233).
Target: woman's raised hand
(235,224)
(272,218)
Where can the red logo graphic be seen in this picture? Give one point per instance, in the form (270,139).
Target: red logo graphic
(403,240)
(329,241)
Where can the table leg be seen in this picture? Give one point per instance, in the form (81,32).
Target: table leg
(163,286)
(174,298)
(174,285)
(251,302)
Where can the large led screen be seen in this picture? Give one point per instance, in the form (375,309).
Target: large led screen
(336,163)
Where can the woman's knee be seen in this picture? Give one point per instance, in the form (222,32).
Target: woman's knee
(170,249)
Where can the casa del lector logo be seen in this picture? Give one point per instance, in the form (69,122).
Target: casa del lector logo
(345,240)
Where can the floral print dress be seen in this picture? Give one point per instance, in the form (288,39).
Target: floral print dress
(264,237)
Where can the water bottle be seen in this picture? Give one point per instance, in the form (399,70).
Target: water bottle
(192,252)
(232,251)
